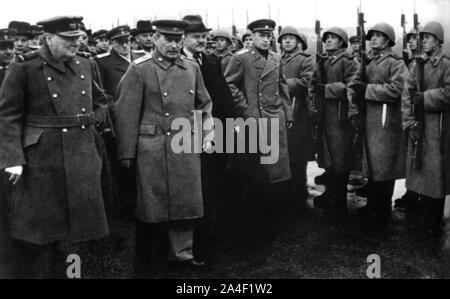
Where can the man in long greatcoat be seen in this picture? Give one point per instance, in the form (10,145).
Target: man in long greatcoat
(49,142)
(157,92)
(428,180)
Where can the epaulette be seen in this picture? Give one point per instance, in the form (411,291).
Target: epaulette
(243,51)
(188,58)
(84,55)
(305,54)
(274,53)
(396,56)
(143,59)
(100,56)
(27,56)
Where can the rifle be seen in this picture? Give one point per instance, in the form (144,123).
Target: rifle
(360,141)
(405,39)
(324,156)
(419,110)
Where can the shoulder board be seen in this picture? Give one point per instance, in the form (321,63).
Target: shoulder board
(243,51)
(188,58)
(139,52)
(143,59)
(100,56)
(305,54)
(274,53)
(445,56)
(27,56)
(394,55)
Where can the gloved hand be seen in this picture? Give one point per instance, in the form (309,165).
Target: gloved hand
(320,90)
(415,132)
(360,90)
(15,173)
(419,99)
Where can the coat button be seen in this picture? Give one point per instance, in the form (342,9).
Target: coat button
(160,59)
(55,96)
(167,114)
(83,127)
(83,92)
(168,133)
(83,110)
(260,94)
(49,79)
(191,112)
(276,93)
(260,108)
(82,77)
(65,130)
(165,94)
(77,62)
(191,91)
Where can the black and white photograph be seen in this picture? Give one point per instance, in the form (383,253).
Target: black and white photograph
(225,145)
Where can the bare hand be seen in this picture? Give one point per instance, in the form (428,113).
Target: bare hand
(15,173)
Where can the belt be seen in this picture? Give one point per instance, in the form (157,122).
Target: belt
(69,121)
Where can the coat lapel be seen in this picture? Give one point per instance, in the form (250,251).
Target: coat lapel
(271,65)
(121,63)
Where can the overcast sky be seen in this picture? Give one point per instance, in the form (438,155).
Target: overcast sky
(300,13)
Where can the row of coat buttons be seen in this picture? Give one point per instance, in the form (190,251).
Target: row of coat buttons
(167,114)
(166,94)
(55,95)
(50,78)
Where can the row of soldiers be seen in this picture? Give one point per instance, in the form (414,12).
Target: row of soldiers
(71,122)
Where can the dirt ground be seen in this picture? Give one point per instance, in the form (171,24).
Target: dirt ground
(277,244)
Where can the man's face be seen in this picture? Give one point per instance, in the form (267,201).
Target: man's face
(83,42)
(262,39)
(412,42)
(6,55)
(102,44)
(145,40)
(289,42)
(333,42)
(122,46)
(248,41)
(21,44)
(429,43)
(35,42)
(195,42)
(378,40)
(356,46)
(169,46)
(64,48)
(222,43)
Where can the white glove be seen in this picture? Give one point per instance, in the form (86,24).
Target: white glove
(207,146)
(15,173)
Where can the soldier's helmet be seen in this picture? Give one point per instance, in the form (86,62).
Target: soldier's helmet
(223,34)
(384,28)
(289,30)
(247,33)
(412,32)
(339,32)
(435,29)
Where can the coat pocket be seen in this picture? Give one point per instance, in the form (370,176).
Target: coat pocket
(147,129)
(31,137)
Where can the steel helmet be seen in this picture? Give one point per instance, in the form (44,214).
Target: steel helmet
(435,29)
(339,32)
(384,28)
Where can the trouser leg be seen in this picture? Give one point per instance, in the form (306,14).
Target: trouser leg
(181,240)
